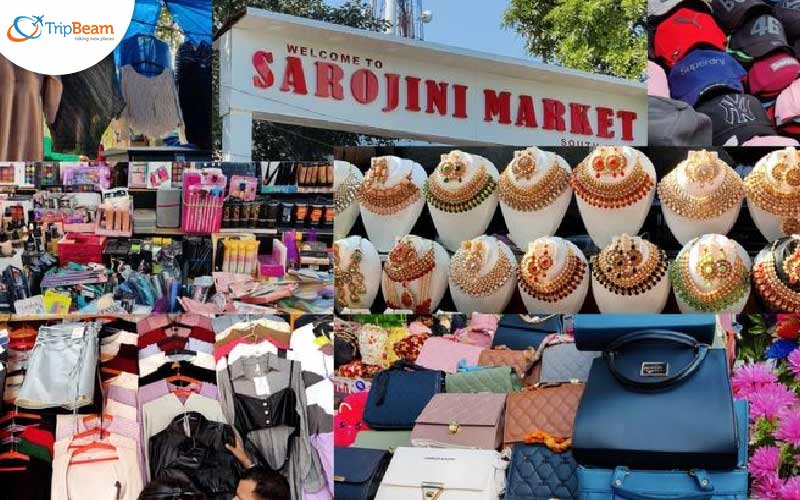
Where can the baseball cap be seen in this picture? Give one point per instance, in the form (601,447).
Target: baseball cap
(771,140)
(757,37)
(788,13)
(787,107)
(656,80)
(704,70)
(684,30)
(771,74)
(736,118)
(675,123)
(730,14)
(661,7)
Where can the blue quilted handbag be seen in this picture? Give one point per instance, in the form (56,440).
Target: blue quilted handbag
(594,332)
(399,394)
(657,400)
(536,473)
(357,472)
(625,484)
(520,332)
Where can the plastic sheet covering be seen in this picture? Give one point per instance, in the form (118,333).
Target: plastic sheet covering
(147,54)
(192,16)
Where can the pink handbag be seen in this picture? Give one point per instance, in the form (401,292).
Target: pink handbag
(480,331)
(441,354)
(471,420)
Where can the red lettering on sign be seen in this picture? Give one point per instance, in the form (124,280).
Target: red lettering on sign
(627,118)
(329,81)
(526,115)
(579,119)
(364,86)
(412,93)
(460,106)
(294,77)
(554,115)
(263,78)
(392,92)
(436,97)
(494,104)
(605,122)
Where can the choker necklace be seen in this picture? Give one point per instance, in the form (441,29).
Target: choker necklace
(725,196)
(532,275)
(766,196)
(588,185)
(376,197)
(733,281)
(468,261)
(405,265)
(536,196)
(349,282)
(466,197)
(622,270)
(779,283)
(346,192)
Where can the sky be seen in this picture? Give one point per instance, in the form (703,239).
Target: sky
(471,24)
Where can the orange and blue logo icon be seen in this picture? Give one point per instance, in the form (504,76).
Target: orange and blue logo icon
(25,28)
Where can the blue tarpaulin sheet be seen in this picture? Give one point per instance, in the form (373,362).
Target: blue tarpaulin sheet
(193,17)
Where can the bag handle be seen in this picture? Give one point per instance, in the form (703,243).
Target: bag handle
(701,479)
(667,335)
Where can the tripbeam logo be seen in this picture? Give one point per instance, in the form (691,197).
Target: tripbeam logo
(26,28)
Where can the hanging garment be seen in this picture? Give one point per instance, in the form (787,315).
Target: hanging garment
(193,76)
(25,99)
(91,99)
(151,103)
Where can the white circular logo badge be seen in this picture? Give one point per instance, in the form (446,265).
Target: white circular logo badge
(59,37)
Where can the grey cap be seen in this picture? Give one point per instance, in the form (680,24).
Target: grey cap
(675,123)
(658,8)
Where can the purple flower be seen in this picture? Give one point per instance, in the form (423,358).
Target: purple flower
(789,426)
(767,487)
(791,489)
(748,379)
(780,349)
(765,461)
(770,400)
(794,362)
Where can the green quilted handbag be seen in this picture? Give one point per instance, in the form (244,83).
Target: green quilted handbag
(382,440)
(501,379)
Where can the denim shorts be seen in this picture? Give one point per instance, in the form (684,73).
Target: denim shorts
(62,368)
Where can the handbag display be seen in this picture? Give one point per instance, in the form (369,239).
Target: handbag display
(382,440)
(461,421)
(623,483)
(537,473)
(498,379)
(441,354)
(594,332)
(657,400)
(565,363)
(357,472)
(443,474)
(549,408)
(480,330)
(349,420)
(399,394)
(516,331)
(520,360)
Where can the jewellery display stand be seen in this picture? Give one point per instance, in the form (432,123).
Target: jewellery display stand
(615,187)
(534,196)
(630,276)
(346,181)
(391,173)
(773,194)
(776,275)
(487,267)
(702,195)
(360,283)
(553,277)
(412,256)
(462,197)
(707,275)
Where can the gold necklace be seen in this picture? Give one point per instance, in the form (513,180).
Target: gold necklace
(468,261)
(405,265)
(376,197)
(536,196)
(532,275)
(622,269)
(783,203)
(349,283)
(346,192)
(729,193)
(467,197)
(610,162)
(732,281)
(779,284)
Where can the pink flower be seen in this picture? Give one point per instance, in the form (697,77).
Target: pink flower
(791,489)
(770,400)
(789,426)
(794,362)
(767,487)
(765,461)
(749,379)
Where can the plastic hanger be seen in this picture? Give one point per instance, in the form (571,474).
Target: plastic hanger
(96,432)
(14,414)
(94,445)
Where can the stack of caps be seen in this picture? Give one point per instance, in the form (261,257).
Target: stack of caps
(730,60)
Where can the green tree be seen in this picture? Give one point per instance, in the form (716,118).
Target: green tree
(600,36)
(274,141)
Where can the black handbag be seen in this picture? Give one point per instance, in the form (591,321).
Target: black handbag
(537,473)
(657,399)
(357,472)
(399,394)
(521,332)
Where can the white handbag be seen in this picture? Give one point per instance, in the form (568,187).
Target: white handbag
(443,474)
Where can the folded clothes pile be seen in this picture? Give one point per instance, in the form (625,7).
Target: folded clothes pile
(724,72)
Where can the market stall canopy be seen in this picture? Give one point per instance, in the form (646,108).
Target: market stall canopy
(193,17)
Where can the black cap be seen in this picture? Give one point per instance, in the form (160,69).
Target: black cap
(788,13)
(759,36)
(736,115)
(730,14)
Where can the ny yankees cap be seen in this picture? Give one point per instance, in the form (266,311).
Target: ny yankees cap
(758,37)
(773,73)
(788,13)
(730,14)
(703,70)
(736,118)
(675,123)
(656,80)
(684,30)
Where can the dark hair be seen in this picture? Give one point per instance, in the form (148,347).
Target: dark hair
(270,485)
(170,489)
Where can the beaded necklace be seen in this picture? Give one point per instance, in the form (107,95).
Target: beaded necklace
(701,169)
(468,261)
(346,192)
(622,270)
(376,197)
(778,283)
(732,282)
(465,198)
(348,282)
(536,196)
(783,203)
(404,266)
(610,162)
(532,274)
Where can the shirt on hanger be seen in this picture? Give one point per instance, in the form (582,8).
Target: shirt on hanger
(152,363)
(179,367)
(191,344)
(118,409)
(158,334)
